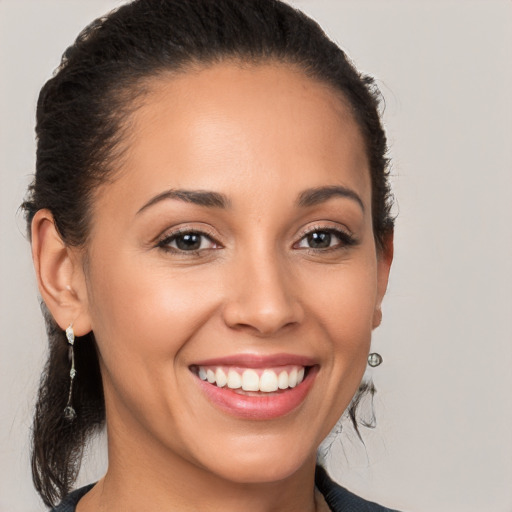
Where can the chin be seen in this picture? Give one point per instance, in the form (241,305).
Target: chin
(261,470)
(257,459)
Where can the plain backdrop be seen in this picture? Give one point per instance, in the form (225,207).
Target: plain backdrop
(443,440)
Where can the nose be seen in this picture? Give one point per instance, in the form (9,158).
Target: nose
(263,297)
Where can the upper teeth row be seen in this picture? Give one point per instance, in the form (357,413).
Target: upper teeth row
(249,380)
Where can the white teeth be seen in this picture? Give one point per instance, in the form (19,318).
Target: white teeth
(210,376)
(265,381)
(250,381)
(234,380)
(292,378)
(282,380)
(268,381)
(221,378)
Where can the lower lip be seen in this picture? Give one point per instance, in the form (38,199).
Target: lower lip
(264,406)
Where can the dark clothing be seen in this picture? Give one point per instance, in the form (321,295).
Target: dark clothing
(69,503)
(337,497)
(341,500)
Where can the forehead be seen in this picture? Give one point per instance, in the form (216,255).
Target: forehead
(232,124)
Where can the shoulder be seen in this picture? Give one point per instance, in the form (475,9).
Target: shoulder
(340,499)
(69,503)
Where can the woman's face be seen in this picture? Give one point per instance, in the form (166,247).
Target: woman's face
(235,245)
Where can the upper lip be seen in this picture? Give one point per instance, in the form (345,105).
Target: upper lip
(258,360)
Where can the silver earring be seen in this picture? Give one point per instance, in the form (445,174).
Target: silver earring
(374,359)
(69,411)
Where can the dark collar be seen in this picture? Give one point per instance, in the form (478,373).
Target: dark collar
(340,499)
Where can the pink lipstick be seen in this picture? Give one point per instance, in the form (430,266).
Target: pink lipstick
(256,387)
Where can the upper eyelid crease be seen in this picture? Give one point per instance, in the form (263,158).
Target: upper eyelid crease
(336,228)
(343,234)
(185,231)
(324,227)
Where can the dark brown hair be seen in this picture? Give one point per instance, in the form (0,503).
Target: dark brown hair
(80,116)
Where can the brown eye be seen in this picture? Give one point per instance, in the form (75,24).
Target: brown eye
(188,241)
(319,239)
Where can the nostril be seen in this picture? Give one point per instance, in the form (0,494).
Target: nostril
(264,329)
(262,319)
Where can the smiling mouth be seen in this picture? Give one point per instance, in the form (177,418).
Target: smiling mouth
(253,387)
(249,381)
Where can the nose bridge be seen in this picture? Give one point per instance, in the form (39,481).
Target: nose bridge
(262,295)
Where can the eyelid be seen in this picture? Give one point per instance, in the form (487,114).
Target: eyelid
(344,234)
(337,228)
(163,239)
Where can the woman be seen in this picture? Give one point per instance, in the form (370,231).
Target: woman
(212,240)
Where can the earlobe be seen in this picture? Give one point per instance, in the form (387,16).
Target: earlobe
(384,260)
(59,275)
(377,317)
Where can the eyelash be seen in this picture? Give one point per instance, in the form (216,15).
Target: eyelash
(165,242)
(345,240)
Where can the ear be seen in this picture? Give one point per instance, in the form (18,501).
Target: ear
(60,275)
(384,260)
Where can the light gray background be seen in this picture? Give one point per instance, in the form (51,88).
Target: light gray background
(444,437)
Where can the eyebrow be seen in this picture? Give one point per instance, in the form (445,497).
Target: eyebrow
(200,197)
(315,196)
(209,199)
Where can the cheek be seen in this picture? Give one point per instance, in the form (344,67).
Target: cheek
(144,317)
(341,301)
(345,303)
(143,314)
(344,308)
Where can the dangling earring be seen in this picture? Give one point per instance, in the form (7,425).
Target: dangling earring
(69,411)
(374,359)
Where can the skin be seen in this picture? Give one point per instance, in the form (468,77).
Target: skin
(260,135)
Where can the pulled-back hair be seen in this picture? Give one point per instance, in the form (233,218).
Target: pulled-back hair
(80,122)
